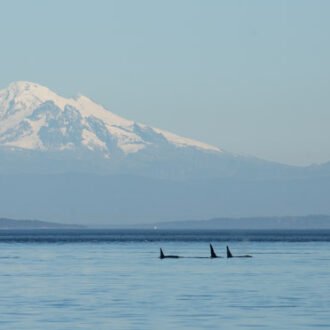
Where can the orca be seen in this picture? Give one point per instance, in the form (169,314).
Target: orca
(163,256)
(229,254)
(213,254)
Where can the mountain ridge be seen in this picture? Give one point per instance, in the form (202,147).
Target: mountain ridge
(26,109)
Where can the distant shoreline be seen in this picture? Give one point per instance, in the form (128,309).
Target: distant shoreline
(11,224)
(309,222)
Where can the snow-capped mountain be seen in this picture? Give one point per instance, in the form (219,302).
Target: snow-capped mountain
(32,117)
(42,132)
(71,160)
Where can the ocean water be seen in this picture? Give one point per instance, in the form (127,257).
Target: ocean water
(115,280)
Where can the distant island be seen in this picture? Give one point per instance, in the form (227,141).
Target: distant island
(6,224)
(308,222)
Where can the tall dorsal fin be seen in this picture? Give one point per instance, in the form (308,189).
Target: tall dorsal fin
(213,255)
(229,255)
(161,254)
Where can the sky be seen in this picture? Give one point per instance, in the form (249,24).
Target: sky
(251,77)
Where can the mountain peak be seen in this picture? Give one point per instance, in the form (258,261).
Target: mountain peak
(35,118)
(23,85)
(20,88)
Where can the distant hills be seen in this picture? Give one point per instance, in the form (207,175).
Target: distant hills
(33,224)
(91,199)
(261,223)
(309,222)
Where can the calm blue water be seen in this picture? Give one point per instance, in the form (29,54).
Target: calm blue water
(114,279)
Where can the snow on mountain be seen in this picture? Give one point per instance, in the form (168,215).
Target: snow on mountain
(35,118)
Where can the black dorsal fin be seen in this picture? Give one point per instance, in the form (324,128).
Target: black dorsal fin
(161,254)
(213,255)
(229,255)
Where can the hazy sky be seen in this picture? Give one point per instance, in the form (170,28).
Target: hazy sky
(251,77)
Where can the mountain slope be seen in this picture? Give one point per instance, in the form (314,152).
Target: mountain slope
(33,117)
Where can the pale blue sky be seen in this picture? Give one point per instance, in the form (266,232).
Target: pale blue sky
(251,77)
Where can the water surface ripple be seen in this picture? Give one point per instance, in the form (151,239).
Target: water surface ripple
(115,280)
